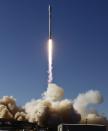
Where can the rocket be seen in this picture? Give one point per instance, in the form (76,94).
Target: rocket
(50,19)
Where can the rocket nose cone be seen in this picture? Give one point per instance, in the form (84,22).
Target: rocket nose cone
(49,7)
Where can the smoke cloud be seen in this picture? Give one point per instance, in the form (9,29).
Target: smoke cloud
(83,100)
(81,104)
(53,93)
(9,109)
(52,108)
(95,119)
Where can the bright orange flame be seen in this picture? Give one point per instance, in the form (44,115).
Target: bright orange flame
(50,55)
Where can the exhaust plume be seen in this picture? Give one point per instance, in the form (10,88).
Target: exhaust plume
(50,67)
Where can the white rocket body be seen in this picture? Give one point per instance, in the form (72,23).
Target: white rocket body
(50,17)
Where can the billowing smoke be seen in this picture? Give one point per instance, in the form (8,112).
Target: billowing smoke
(53,93)
(81,104)
(84,99)
(52,108)
(9,109)
(93,118)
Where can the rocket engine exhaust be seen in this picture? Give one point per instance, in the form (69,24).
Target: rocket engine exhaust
(50,50)
(50,62)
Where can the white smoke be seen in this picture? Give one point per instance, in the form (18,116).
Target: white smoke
(85,99)
(53,93)
(52,109)
(81,104)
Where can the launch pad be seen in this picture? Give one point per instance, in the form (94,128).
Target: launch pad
(13,125)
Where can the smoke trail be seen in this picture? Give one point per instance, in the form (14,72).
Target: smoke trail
(50,67)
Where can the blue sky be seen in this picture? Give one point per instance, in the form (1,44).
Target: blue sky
(80,34)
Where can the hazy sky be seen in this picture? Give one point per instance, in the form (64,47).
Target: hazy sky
(80,34)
